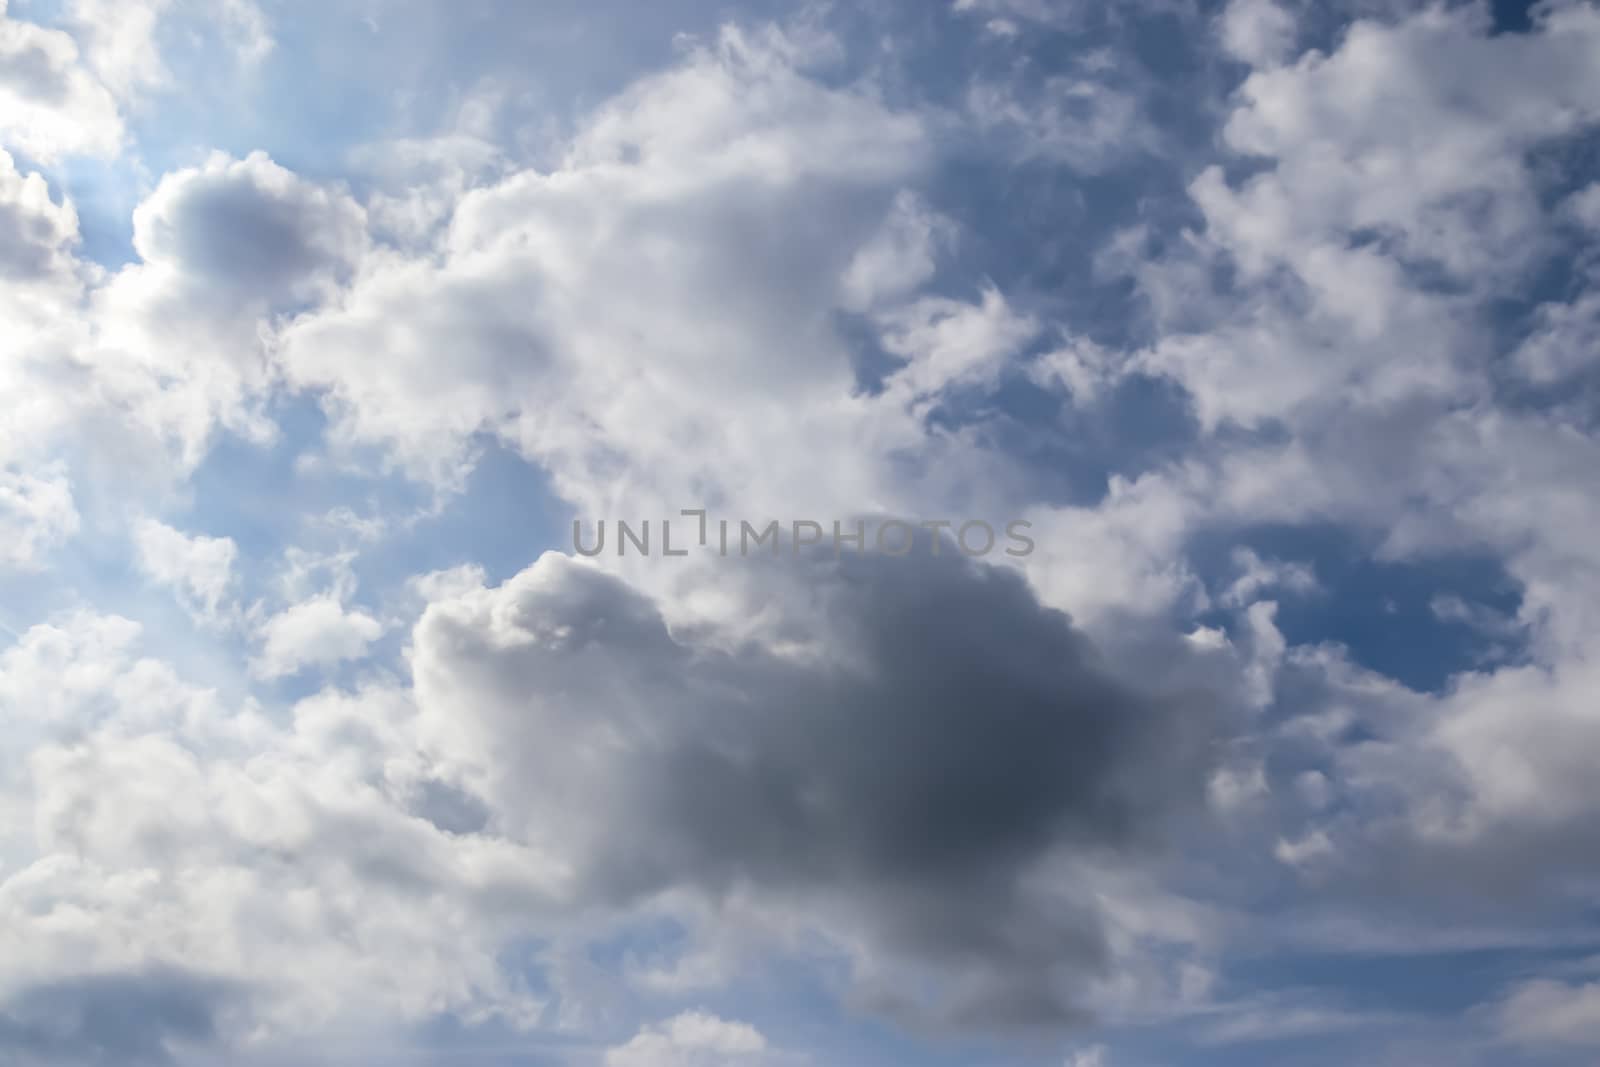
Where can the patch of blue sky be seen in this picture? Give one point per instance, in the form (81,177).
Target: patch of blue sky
(1413,620)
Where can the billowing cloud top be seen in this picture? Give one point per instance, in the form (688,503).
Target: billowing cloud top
(1006,531)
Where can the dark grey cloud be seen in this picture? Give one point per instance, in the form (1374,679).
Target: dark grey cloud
(906,793)
(112,1019)
(978,728)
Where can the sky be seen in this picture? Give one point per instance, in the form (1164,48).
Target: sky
(966,533)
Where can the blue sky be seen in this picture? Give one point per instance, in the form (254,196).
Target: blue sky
(1272,323)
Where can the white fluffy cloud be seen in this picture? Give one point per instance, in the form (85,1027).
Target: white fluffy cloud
(693,1039)
(1337,303)
(1260,32)
(1414,130)
(121,39)
(151,805)
(50,105)
(198,568)
(39,232)
(317,632)
(704,221)
(127,377)
(35,514)
(39,300)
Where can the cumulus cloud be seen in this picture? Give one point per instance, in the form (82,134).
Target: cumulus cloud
(35,514)
(147,805)
(40,298)
(1336,302)
(967,796)
(123,41)
(50,105)
(1260,32)
(563,751)
(1365,194)
(726,197)
(250,229)
(225,247)
(1423,148)
(124,378)
(37,233)
(198,568)
(318,632)
(910,798)
(693,1039)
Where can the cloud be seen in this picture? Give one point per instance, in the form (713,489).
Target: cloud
(900,258)
(36,233)
(1040,12)
(179,337)
(1093,1056)
(58,671)
(948,853)
(947,344)
(910,796)
(693,1039)
(762,279)
(198,568)
(136,1018)
(1551,1013)
(1276,1018)
(1338,302)
(319,632)
(123,379)
(249,229)
(35,515)
(1257,575)
(162,826)
(1082,122)
(1259,32)
(727,196)
(1564,337)
(119,42)
(1367,201)
(50,105)
(1585,206)
(1421,148)
(39,301)
(123,40)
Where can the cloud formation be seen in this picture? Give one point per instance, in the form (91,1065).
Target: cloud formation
(1275,320)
